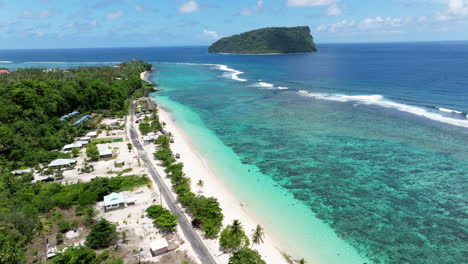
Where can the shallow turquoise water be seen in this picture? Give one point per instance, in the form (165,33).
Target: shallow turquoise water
(391,185)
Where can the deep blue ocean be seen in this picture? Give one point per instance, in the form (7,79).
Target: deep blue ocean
(366,142)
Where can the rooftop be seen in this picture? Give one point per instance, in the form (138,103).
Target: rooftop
(114,198)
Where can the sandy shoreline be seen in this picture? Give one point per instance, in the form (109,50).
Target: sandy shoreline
(197,168)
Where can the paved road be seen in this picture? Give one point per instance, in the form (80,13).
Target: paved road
(200,249)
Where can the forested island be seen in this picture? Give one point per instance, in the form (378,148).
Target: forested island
(267,40)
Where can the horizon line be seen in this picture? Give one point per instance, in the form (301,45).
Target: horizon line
(187,46)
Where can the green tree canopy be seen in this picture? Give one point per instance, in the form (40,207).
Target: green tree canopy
(101,235)
(246,256)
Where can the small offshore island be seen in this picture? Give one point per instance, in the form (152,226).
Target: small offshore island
(267,41)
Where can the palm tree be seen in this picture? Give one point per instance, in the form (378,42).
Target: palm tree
(200,185)
(301,261)
(257,236)
(236,229)
(42,228)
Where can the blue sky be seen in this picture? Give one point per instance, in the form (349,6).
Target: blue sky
(131,23)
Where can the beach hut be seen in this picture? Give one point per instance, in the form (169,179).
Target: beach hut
(119,163)
(68,147)
(159,247)
(62,163)
(24,171)
(105,153)
(85,138)
(92,134)
(114,201)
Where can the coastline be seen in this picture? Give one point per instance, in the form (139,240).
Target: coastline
(197,168)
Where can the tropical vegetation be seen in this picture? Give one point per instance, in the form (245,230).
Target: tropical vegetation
(162,217)
(267,40)
(205,210)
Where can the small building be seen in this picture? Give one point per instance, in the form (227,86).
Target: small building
(119,163)
(114,201)
(92,134)
(76,144)
(105,153)
(159,247)
(24,171)
(4,71)
(86,138)
(62,163)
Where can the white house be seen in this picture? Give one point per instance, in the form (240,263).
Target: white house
(159,247)
(105,152)
(24,171)
(61,163)
(86,138)
(92,134)
(113,201)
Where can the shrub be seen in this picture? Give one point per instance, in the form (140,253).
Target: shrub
(101,235)
(76,255)
(63,226)
(92,151)
(162,217)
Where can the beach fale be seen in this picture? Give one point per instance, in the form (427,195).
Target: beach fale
(159,247)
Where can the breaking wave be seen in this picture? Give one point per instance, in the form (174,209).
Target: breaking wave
(379,100)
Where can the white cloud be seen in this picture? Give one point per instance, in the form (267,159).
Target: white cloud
(46,13)
(246,11)
(27,13)
(458,7)
(189,7)
(310,2)
(114,15)
(384,24)
(333,10)
(42,14)
(139,8)
(211,34)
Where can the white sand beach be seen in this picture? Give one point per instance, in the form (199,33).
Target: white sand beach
(197,168)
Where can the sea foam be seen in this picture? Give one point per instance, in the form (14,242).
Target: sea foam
(233,74)
(6,62)
(379,100)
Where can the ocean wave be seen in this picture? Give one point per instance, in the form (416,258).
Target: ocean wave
(446,110)
(233,74)
(379,100)
(6,62)
(265,84)
(282,88)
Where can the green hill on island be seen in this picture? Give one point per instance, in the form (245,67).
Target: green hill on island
(267,40)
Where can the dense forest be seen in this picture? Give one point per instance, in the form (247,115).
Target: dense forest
(31,130)
(33,100)
(267,40)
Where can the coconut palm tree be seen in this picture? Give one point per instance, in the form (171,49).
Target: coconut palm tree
(42,228)
(257,236)
(301,261)
(236,229)
(200,185)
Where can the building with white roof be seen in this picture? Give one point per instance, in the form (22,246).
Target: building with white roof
(105,152)
(60,163)
(159,247)
(92,134)
(24,171)
(114,201)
